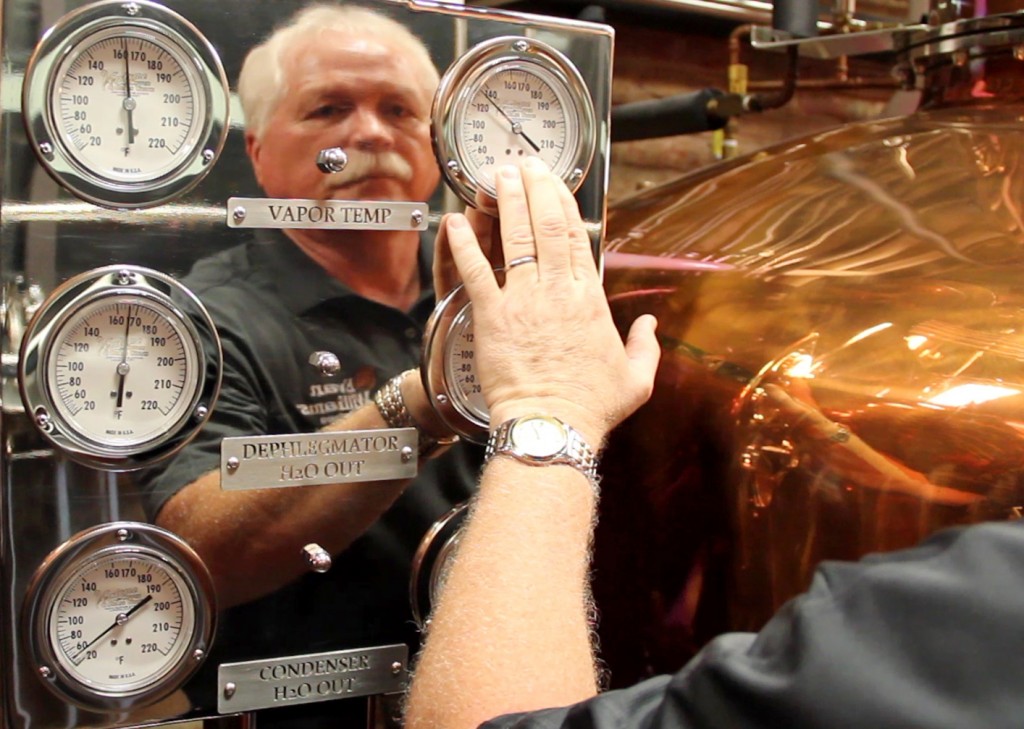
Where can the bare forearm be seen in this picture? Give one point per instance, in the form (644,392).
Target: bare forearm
(511,632)
(252,540)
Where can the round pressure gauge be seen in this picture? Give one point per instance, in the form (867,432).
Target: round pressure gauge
(120,367)
(126,103)
(506,99)
(449,366)
(431,561)
(119,616)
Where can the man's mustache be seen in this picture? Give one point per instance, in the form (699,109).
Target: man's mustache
(371,164)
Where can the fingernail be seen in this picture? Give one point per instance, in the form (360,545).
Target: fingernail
(536,164)
(456,220)
(509,172)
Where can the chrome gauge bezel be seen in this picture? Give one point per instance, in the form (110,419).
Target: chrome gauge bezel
(118,284)
(453,312)
(138,19)
(459,84)
(121,540)
(430,563)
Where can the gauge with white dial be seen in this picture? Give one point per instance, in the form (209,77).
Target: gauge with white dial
(126,103)
(506,99)
(119,616)
(115,370)
(449,366)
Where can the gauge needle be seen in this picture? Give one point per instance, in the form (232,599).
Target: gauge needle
(129,102)
(123,367)
(121,619)
(517,128)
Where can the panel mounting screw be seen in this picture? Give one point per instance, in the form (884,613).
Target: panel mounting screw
(46,149)
(318,558)
(208,156)
(45,672)
(229,690)
(123,535)
(232,464)
(131,9)
(406,454)
(417,217)
(238,214)
(521,46)
(43,420)
(201,412)
(396,668)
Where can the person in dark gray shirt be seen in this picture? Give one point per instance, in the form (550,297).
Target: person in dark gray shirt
(925,637)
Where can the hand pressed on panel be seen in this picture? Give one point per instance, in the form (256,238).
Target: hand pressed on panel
(545,340)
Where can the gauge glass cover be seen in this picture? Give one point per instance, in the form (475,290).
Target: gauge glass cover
(512,110)
(122,621)
(460,370)
(119,616)
(126,104)
(122,371)
(120,367)
(504,100)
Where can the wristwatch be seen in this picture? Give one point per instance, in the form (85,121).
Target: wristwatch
(541,440)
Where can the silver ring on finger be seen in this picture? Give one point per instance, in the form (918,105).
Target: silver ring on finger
(520,261)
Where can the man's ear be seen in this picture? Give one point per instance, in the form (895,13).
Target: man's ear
(253,148)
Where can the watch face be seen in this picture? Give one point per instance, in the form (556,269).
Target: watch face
(538,437)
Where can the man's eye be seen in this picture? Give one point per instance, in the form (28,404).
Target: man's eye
(328,110)
(399,111)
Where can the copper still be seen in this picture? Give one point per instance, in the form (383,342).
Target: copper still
(842,321)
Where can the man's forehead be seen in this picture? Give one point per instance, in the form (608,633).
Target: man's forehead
(339,49)
(341,59)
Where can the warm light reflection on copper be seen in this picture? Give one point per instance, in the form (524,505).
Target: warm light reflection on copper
(850,380)
(971,394)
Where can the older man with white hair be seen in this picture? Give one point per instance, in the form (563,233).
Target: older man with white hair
(333,76)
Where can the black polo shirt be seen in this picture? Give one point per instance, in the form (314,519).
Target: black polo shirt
(925,638)
(273,306)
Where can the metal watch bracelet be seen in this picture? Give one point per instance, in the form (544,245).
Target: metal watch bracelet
(392,408)
(577,453)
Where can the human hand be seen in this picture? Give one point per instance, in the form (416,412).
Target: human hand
(545,341)
(446,276)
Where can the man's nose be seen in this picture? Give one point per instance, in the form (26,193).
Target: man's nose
(369,131)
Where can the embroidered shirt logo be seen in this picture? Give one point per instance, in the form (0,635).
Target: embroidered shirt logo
(330,400)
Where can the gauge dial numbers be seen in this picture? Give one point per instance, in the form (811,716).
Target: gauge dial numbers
(460,369)
(126,110)
(119,616)
(507,99)
(517,110)
(125,367)
(449,366)
(123,377)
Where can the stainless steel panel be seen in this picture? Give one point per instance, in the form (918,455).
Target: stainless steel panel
(48,235)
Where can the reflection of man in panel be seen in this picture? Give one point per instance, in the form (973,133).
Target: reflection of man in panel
(334,77)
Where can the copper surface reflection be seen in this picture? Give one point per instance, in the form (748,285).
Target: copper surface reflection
(843,336)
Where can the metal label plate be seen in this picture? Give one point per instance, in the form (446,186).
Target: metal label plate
(310,678)
(270,212)
(308,459)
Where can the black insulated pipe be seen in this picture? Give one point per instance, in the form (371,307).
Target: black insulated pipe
(799,18)
(683,114)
